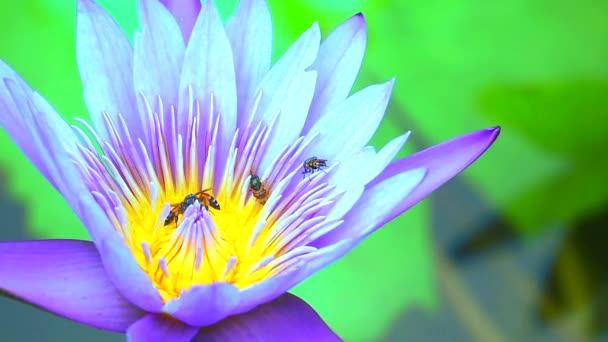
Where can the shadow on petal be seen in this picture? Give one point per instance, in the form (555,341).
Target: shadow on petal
(287,318)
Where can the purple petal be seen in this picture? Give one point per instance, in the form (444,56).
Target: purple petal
(65,277)
(158,58)
(105,61)
(36,128)
(185,13)
(209,70)
(204,305)
(250,34)
(441,162)
(157,328)
(126,275)
(287,318)
(288,88)
(337,64)
(358,117)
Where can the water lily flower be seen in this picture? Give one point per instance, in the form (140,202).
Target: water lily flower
(275,156)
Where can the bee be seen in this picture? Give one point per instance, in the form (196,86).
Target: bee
(257,188)
(312,164)
(205,199)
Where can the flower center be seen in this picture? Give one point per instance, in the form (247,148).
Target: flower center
(194,210)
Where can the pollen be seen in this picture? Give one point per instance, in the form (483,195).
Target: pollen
(143,184)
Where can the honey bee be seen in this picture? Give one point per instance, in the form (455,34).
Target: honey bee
(205,199)
(257,188)
(312,164)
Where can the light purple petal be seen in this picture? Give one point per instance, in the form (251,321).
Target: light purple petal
(288,88)
(19,108)
(287,318)
(65,277)
(204,305)
(158,58)
(209,70)
(337,64)
(357,117)
(126,275)
(36,128)
(157,328)
(185,13)
(250,34)
(105,61)
(441,162)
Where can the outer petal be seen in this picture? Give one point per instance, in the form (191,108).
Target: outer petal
(442,162)
(65,277)
(158,328)
(204,304)
(337,65)
(288,88)
(250,34)
(105,61)
(209,70)
(350,125)
(158,58)
(185,12)
(287,318)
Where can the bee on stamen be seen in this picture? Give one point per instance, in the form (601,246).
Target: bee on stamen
(257,188)
(205,199)
(313,164)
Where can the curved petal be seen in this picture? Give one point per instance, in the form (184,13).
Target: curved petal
(287,318)
(441,162)
(337,65)
(105,61)
(185,13)
(250,34)
(157,328)
(65,277)
(356,118)
(209,72)
(158,57)
(46,140)
(204,305)
(126,275)
(288,88)
(20,108)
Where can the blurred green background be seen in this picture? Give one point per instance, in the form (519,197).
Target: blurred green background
(531,212)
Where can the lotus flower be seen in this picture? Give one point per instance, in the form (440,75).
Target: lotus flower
(274,159)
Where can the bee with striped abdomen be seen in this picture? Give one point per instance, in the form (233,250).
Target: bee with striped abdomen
(205,199)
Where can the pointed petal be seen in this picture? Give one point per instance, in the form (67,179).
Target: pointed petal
(337,65)
(288,88)
(442,161)
(250,34)
(209,70)
(105,61)
(20,108)
(47,141)
(287,318)
(126,275)
(185,13)
(204,305)
(157,328)
(357,117)
(65,277)
(158,58)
